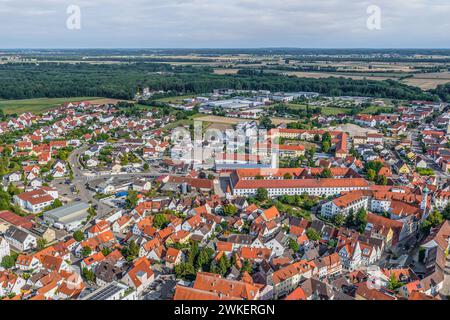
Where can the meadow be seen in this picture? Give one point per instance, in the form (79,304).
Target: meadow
(38,105)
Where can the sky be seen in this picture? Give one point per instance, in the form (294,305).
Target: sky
(224,24)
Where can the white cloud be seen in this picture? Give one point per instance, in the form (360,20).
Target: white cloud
(224,23)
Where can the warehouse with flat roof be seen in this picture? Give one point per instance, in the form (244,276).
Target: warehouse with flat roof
(69,216)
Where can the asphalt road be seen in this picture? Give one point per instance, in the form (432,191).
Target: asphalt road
(79,181)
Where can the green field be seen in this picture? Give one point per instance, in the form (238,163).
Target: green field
(37,105)
(176,99)
(331,111)
(183,122)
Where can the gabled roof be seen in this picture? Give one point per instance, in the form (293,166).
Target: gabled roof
(224,287)
(141,268)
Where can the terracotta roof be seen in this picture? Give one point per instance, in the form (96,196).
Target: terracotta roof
(16,220)
(186,293)
(371,294)
(285,273)
(251,253)
(302,183)
(36,196)
(172,255)
(271,214)
(297,294)
(141,266)
(230,288)
(348,198)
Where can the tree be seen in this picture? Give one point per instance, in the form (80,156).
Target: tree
(193,252)
(230,209)
(316,137)
(146,166)
(326,137)
(56,204)
(13,190)
(287,176)
(8,262)
(131,251)
(332,243)
(160,220)
(374,165)
(246,267)
(262,194)
(446,212)
(394,284)
(421,254)
(266,122)
(350,219)
(41,243)
(293,245)
(106,251)
(224,265)
(371,174)
(326,146)
(361,220)
(310,153)
(185,271)
(78,235)
(382,180)
(433,220)
(312,234)
(132,199)
(86,251)
(204,259)
(124,160)
(89,275)
(339,219)
(326,173)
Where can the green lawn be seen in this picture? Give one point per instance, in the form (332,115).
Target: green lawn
(177,99)
(374,109)
(183,122)
(37,105)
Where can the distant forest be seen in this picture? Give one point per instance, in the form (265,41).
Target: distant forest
(121,81)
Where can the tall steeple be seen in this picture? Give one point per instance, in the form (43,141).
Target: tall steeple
(423,204)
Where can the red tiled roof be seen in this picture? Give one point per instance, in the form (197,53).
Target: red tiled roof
(302,183)
(16,220)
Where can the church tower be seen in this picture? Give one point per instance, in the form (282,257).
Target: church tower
(423,204)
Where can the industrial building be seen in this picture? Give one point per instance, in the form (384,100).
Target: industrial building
(69,216)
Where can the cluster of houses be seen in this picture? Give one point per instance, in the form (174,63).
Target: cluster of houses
(252,247)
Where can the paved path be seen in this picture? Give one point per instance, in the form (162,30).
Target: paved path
(79,181)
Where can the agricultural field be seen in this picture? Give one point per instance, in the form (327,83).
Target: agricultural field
(354,76)
(40,104)
(331,111)
(427,81)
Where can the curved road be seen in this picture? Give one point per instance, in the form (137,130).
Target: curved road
(79,181)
